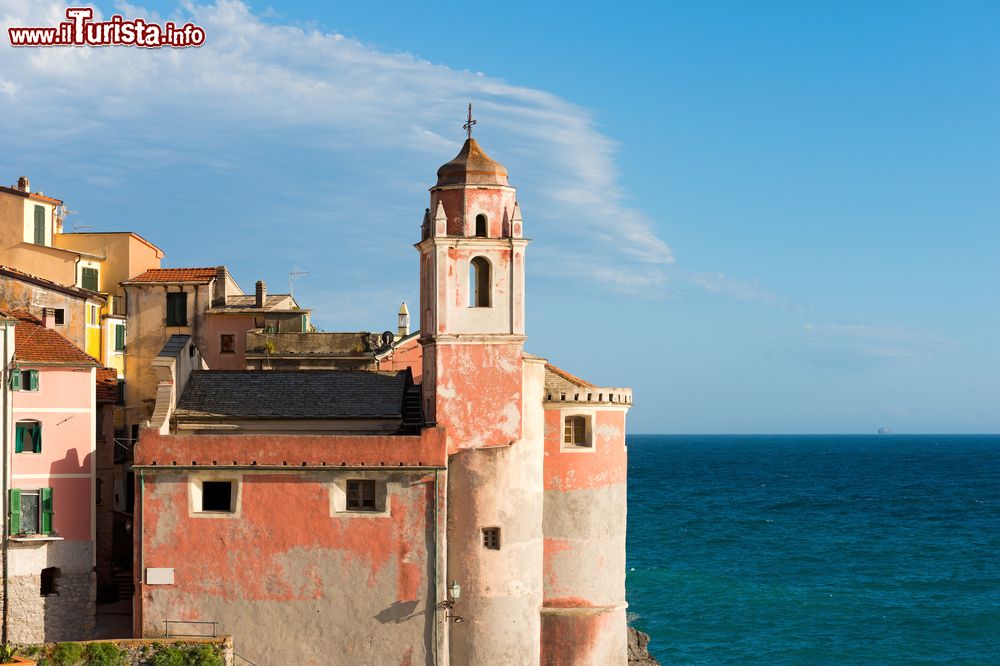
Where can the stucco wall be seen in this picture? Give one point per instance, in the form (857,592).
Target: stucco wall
(16,294)
(475,392)
(235,325)
(501,589)
(147,332)
(583,618)
(355,587)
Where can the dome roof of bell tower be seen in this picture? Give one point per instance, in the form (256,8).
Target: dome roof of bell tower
(472,167)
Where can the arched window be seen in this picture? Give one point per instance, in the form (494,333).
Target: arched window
(479,283)
(481,225)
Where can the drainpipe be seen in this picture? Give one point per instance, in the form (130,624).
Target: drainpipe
(434,582)
(5,376)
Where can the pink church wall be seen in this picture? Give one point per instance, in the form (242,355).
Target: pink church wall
(286,558)
(478,393)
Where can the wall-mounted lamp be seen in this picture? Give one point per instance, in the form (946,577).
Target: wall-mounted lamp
(454,591)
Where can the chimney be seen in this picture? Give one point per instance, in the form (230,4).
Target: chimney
(261,293)
(404,321)
(49,317)
(219,288)
(24,184)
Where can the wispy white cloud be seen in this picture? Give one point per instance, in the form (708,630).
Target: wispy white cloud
(877,341)
(739,289)
(108,111)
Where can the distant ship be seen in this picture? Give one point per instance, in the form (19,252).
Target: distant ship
(885,431)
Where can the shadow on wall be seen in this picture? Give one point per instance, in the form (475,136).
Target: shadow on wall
(67,580)
(401,611)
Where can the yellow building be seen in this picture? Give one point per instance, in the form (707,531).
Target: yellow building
(32,242)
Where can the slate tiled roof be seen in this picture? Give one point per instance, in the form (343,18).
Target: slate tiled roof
(294,394)
(107,385)
(33,343)
(200,275)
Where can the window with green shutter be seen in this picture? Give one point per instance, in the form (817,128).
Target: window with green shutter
(177,308)
(119,337)
(28,437)
(31,511)
(39,225)
(23,380)
(88,278)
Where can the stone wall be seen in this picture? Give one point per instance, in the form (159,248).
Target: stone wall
(67,615)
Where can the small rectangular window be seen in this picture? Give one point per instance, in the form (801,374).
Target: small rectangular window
(361,495)
(60,316)
(491,538)
(576,431)
(217,496)
(177,308)
(227,343)
(119,337)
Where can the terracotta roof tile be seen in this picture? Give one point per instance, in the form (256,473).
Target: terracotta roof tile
(572,379)
(107,385)
(33,343)
(176,275)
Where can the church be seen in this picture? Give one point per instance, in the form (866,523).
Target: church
(464,508)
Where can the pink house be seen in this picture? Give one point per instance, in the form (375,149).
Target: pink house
(49,397)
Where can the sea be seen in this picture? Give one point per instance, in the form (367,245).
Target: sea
(808,549)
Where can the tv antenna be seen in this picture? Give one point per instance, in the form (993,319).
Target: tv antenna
(294,275)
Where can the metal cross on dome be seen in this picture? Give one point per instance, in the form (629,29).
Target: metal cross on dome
(469,123)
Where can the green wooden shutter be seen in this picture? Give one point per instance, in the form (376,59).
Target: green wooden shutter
(38,437)
(119,338)
(15,380)
(45,499)
(33,380)
(88,278)
(39,225)
(19,438)
(15,511)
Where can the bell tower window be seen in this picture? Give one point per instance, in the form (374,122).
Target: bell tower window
(479,283)
(481,225)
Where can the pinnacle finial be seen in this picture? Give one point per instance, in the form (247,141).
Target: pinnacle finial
(469,123)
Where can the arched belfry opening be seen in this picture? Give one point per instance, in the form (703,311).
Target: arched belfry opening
(479,283)
(481,225)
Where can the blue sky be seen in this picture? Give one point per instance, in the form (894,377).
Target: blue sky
(764,217)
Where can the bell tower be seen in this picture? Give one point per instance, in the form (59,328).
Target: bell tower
(472,301)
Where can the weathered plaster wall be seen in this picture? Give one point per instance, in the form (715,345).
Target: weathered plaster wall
(475,392)
(147,332)
(15,294)
(501,589)
(583,618)
(463,203)
(355,587)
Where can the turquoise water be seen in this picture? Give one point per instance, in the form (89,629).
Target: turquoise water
(816,549)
